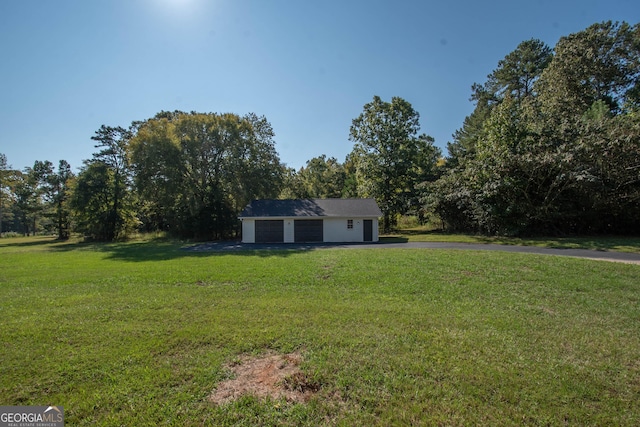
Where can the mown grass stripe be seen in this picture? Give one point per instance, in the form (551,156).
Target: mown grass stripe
(139,333)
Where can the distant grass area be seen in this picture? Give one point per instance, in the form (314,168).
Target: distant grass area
(600,243)
(139,333)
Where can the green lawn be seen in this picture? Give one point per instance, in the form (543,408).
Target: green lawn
(139,334)
(600,243)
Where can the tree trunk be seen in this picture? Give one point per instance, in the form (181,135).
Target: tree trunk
(386,223)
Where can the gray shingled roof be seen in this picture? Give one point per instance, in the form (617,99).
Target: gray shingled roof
(312,208)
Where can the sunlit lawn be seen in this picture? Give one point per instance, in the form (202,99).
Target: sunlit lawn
(140,333)
(600,243)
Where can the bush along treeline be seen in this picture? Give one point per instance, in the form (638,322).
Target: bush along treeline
(552,147)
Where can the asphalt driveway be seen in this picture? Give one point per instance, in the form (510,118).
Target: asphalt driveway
(231,246)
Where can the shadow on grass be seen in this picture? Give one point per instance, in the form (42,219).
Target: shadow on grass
(135,251)
(164,251)
(22,242)
(168,249)
(393,239)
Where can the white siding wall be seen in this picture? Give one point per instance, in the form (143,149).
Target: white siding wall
(335,230)
(248,231)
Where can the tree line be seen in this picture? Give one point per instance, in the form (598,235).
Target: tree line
(185,173)
(552,147)
(553,144)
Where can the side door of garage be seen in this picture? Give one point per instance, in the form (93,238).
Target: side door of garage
(368,230)
(270,231)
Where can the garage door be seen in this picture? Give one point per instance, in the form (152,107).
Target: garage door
(269,231)
(308,230)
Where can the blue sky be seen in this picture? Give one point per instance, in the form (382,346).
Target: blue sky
(69,66)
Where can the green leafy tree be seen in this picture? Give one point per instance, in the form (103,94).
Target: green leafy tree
(55,189)
(254,168)
(322,177)
(113,142)
(195,172)
(600,63)
(554,154)
(102,198)
(515,78)
(585,113)
(158,173)
(292,187)
(4,187)
(465,139)
(392,158)
(28,202)
(608,147)
(517,73)
(92,202)
(350,189)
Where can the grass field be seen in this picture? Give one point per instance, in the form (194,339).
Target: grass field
(599,243)
(141,333)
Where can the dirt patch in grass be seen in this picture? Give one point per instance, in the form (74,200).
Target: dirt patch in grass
(270,375)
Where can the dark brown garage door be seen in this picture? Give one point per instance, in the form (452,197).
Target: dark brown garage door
(308,230)
(269,231)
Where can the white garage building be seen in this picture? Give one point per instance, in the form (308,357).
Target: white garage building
(310,220)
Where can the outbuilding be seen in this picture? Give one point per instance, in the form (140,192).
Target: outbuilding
(310,220)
